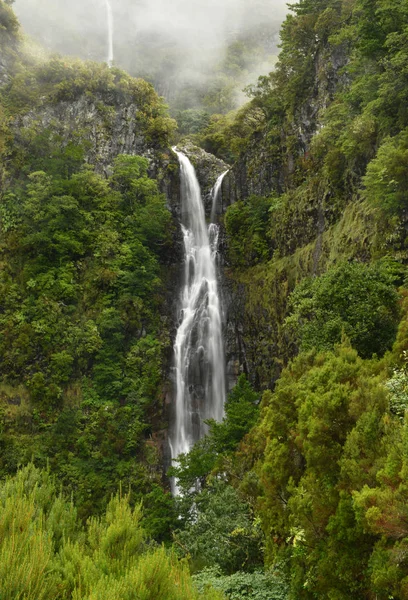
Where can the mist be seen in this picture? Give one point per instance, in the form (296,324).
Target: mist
(178,45)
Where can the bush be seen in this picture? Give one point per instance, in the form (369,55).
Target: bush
(220,531)
(354,299)
(247,223)
(386,181)
(251,586)
(46,554)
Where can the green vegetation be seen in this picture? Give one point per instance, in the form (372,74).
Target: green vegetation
(328,470)
(219,531)
(253,586)
(353,299)
(386,183)
(300,492)
(321,433)
(47,552)
(317,242)
(83,334)
(246,224)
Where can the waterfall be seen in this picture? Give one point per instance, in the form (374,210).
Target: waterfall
(110,33)
(198,348)
(215,193)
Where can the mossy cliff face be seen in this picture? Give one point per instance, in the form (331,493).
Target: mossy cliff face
(274,163)
(87,245)
(102,112)
(272,154)
(307,162)
(260,344)
(9,42)
(106,127)
(257,306)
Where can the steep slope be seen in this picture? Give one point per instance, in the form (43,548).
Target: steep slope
(87,257)
(90,260)
(317,135)
(316,262)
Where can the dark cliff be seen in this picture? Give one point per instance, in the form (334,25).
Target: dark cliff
(307,157)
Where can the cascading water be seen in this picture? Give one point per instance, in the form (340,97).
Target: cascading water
(215,194)
(198,349)
(110,32)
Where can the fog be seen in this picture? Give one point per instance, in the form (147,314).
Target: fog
(173,43)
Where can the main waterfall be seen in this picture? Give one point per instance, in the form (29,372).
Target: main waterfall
(198,349)
(110,32)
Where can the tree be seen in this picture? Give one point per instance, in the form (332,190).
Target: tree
(358,300)
(220,531)
(241,414)
(47,554)
(386,180)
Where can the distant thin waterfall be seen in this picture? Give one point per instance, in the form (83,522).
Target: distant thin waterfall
(215,194)
(110,32)
(198,349)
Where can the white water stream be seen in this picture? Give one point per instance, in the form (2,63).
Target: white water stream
(110,32)
(198,349)
(216,193)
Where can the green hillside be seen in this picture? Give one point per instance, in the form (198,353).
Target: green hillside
(301,491)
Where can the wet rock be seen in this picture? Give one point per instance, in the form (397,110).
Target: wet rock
(104,126)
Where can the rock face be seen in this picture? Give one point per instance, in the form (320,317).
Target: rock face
(105,125)
(257,172)
(4,70)
(264,168)
(9,43)
(255,307)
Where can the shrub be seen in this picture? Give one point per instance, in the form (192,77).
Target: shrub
(355,299)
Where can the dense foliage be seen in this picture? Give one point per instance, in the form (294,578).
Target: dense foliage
(351,299)
(309,481)
(328,463)
(324,469)
(48,554)
(252,586)
(83,337)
